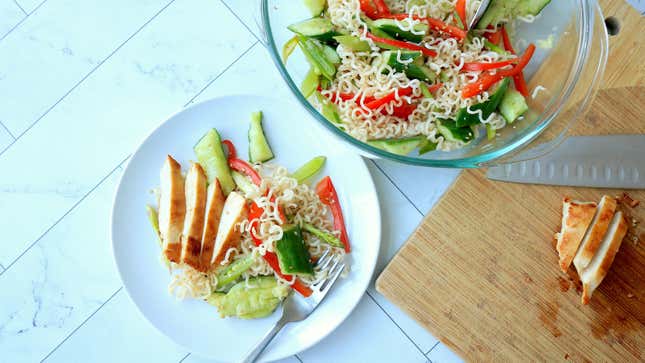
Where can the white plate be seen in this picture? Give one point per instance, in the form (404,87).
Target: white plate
(194,324)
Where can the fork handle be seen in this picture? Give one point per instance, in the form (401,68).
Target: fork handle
(253,355)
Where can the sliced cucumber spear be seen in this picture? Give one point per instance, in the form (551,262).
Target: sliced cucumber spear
(315,6)
(513,105)
(311,168)
(259,149)
(402,146)
(211,157)
(317,28)
(243,183)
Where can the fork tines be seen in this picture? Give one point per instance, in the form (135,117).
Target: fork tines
(337,266)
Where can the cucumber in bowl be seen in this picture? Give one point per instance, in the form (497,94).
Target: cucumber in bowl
(500,11)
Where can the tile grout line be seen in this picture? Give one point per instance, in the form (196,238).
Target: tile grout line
(184,358)
(87,75)
(22,20)
(18,5)
(397,187)
(1,268)
(298,358)
(220,74)
(7,130)
(64,215)
(240,20)
(434,346)
(83,323)
(395,323)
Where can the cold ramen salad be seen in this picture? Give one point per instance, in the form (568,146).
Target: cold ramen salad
(241,234)
(409,74)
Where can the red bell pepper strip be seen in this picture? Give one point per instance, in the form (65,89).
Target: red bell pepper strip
(435,24)
(246,169)
(507,40)
(255,212)
(381,7)
(482,66)
(404,111)
(403,45)
(388,98)
(328,196)
(520,84)
(232,152)
(460,7)
(518,79)
(493,37)
(368,8)
(486,80)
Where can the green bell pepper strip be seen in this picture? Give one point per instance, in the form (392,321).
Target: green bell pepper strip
(292,253)
(316,57)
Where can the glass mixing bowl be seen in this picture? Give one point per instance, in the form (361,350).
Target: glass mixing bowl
(569,63)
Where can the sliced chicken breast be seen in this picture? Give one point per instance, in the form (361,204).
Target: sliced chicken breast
(576,218)
(172,209)
(595,233)
(191,243)
(214,206)
(597,269)
(235,211)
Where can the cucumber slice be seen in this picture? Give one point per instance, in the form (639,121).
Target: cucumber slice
(318,28)
(232,272)
(427,146)
(330,54)
(402,146)
(497,12)
(313,51)
(391,27)
(513,105)
(425,91)
(353,43)
(530,7)
(243,183)
(315,6)
(211,157)
(310,83)
(323,236)
(309,169)
(500,11)
(288,48)
(490,132)
(449,130)
(259,149)
(329,110)
(464,118)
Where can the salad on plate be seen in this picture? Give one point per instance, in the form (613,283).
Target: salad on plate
(242,234)
(405,75)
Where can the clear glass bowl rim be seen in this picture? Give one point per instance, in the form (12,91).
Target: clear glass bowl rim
(585,26)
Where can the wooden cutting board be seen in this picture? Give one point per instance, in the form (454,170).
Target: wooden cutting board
(481,272)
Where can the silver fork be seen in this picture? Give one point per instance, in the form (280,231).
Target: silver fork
(297,308)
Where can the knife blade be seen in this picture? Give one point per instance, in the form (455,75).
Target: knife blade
(613,161)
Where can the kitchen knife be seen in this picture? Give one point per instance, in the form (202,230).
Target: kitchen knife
(614,161)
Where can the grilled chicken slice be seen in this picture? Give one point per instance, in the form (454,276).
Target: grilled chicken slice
(172,209)
(228,235)
(576,218)
(191,243)
(214,206)
(597,269)
(593,237)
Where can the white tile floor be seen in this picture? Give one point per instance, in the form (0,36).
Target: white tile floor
(81,82)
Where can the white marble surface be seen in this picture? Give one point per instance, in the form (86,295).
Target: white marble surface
(81,82)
